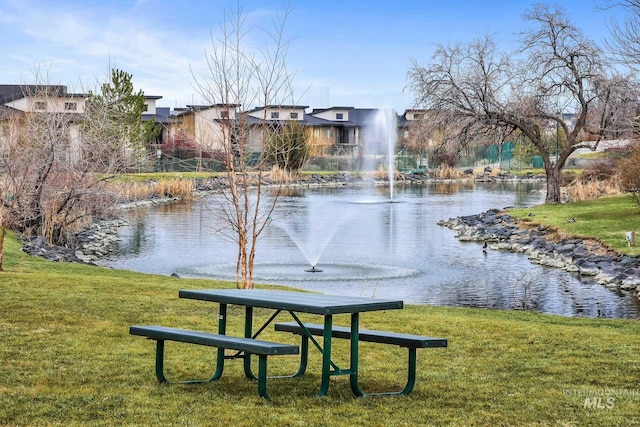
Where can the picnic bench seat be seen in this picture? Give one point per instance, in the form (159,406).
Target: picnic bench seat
(409,341)
(248,346)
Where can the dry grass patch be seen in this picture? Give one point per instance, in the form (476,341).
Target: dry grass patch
(447,172)
(132,191)
(590,190)
(282,176)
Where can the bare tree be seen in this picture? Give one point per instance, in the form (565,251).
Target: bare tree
(54,162)
(240,76)
(421,138)
(625,47)
(614,111)
(7,200)
(625,36)
(38,163)
(480,91)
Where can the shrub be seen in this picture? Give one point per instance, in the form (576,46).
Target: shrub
(288,147)
(601,179)
(442,158)
(629,170)
(447,172)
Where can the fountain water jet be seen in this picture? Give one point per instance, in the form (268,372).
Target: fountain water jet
(312,237)
(384,130)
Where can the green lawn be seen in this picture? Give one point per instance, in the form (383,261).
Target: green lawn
(67,359)
(607,219)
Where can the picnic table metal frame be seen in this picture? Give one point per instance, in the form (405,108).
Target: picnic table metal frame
(296,302)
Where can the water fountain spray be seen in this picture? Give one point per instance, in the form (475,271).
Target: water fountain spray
(385,131)
(312,235)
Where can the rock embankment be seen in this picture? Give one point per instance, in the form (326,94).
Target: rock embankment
(503,232)
(219,183)
(100,240)
(92,244)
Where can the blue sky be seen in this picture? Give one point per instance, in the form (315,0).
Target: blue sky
(344,52)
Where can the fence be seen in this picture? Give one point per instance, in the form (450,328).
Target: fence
(501,155)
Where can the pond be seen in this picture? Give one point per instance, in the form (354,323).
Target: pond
(367,246)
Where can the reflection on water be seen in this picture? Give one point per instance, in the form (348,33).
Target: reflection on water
(383,250)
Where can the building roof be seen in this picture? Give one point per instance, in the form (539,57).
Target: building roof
(180,111)
(363,116)
(322,110)
(6,112)
(312,120)
(12,92)
(280,107)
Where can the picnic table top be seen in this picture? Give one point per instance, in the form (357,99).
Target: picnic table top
(292,301)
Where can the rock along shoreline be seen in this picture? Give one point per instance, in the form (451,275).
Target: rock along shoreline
(495,227)
(100,240)
(543,246)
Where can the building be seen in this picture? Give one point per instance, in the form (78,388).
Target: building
(16,100)
(334,131)
(197,131)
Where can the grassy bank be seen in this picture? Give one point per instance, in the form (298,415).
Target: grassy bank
(67,359)
(606,219)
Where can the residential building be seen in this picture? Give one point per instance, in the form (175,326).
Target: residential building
(197,130)
(333,130)
(271,115)
(337,130)
(55,99)
(16,100)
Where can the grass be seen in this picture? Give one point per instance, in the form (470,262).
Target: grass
(142,190)
(67,359)
(606,219)
(158,176)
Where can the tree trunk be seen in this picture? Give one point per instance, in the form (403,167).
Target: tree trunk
(2,233)
(554,180)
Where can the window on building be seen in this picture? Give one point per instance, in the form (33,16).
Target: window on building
(41,105)
(316,133)
(293,115)
(146,107)
(418,116)
(339,116)
(275,115)
(70,106)
(328,133)
(4,130)
(224,114)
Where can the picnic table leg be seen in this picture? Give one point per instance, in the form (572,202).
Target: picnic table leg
(304,357)
(411,372)
(262,376)
(160,367)
(248,332)
(222,324)
(222,329)
(160,361)
(326,355)
(355,337)
(411,379)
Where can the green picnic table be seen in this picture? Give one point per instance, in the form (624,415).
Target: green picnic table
(293,303)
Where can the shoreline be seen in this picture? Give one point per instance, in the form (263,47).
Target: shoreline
(588,258)
(496,228)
